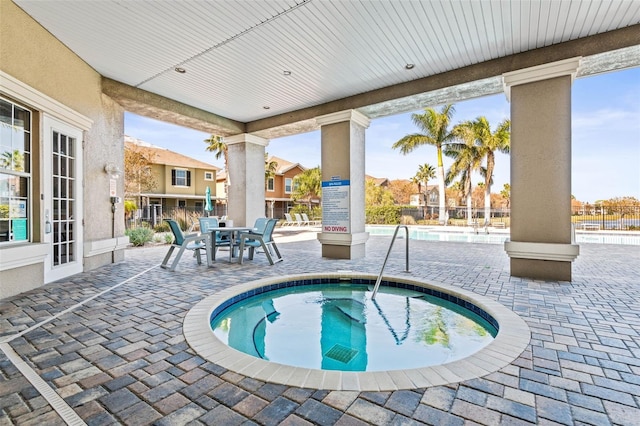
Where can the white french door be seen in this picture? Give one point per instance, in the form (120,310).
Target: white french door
(62,183)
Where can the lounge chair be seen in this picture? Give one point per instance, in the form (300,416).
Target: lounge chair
(193,242)
(253,240)
(288,220)
(310,222)
(299,220)
(222,239)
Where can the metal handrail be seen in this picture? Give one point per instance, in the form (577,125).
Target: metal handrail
(395,234)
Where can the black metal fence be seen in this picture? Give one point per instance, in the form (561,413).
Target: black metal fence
(620,218)
(456,215)
(187,217)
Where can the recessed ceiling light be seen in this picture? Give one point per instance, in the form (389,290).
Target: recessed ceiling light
(266,107)
(286,72)
(180,70)
(409,66)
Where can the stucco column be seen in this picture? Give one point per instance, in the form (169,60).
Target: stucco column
(541,245)
(246,178)
(342,151)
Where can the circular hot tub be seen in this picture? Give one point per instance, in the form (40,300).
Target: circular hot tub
(324,331)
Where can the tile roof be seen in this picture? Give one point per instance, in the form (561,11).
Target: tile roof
(378,181)
(284,165)
(167,157)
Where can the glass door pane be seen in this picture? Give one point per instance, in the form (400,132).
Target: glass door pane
(63,203)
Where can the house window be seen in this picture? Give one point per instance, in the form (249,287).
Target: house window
(288,184)
(208,175)
(180,177)
(182,203)
(15,172)
(271,184)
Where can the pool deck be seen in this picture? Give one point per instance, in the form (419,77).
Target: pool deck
(107,346)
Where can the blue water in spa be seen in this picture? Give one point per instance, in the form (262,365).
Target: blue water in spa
(339,327)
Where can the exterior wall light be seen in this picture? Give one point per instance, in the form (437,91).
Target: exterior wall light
(112,170)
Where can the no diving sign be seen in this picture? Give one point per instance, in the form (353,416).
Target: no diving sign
(335,206)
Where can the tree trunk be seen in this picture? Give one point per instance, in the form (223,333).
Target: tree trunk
(441,194)
(487,205)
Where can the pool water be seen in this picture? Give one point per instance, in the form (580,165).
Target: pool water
(339,327)
(499,237)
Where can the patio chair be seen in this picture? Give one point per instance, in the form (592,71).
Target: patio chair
(193,242)
(299,220)
(288,220)
(259,225)
(222,239)
(253,240)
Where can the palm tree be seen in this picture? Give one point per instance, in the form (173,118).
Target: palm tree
(307,186)
(467,159)
(489,142)
(435,128)
(216,145)
(506,193)
(425,172)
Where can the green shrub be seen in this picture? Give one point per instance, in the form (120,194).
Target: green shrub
(139,236)
(162,227)
(407,220)
(383,215)
(168,238)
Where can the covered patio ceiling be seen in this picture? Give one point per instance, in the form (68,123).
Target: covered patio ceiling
(269,67)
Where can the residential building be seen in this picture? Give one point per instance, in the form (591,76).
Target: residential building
(430,199)
(278,189)
(180,181)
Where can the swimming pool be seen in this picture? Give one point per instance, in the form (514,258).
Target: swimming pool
(511,340)
(497,236)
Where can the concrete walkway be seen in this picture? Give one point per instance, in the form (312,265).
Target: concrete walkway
(106,347)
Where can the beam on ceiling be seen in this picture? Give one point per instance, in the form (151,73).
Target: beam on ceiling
(151,105)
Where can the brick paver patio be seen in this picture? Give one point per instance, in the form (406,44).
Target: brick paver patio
(109,344)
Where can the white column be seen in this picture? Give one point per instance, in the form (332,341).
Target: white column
(541,244)
(343,233)
(246,178)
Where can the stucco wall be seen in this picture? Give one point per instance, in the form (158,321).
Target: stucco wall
(33,56)
(18,280)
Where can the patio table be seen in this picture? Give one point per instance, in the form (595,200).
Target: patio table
(233,232)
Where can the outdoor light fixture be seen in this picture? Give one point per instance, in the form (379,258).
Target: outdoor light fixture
(112,170)
(180,70)
(409,66)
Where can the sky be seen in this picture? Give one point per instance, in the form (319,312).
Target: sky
(605,139)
